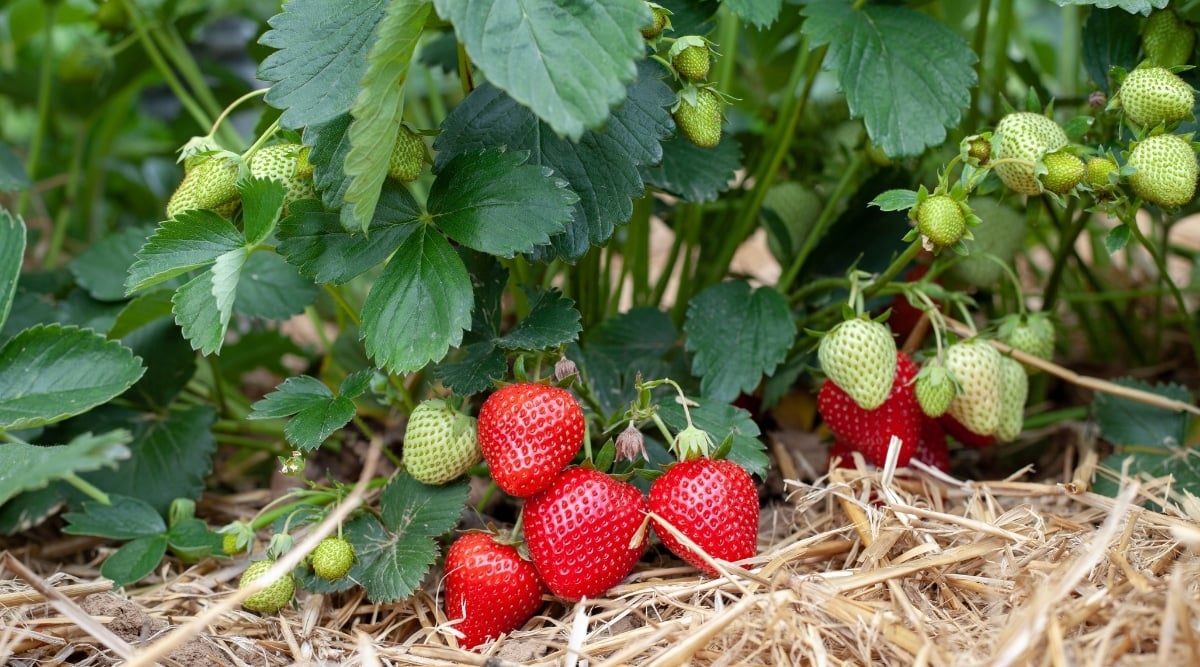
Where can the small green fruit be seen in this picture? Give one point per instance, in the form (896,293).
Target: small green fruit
(1166,170)
(941,219)
(408,156)
(700,122)
(332,558)
(1022,139)
(272,598)
(1065,171)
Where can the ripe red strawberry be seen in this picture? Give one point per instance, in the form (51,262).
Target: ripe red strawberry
(579,532)
(871,431)
(964,435)
(932,450)
(841,451)
(714,503)
(490,589)
(528,433)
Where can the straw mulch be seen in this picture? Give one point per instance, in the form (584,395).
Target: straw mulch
(861,567)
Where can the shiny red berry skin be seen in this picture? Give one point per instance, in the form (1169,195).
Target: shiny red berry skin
(712,502)
(528,433)
(490,589)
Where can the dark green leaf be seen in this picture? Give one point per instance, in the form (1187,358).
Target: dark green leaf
(189,241)
(1127,423)
(379,106)
(169,360)
(142,310)
(1108,41)
(31,467)
(736,336)
(271,288)
(1131,6)
(321,247)
(905,74)
(102,268)
(601,168)
(356,384)
(495,203)
(321,57)
(569,62)
(552,321)
(29,509)
(262,202)
(398,568)
(895,200)
(192,541)
(49,373)
(642,333)
(420,305)
(410,507)
(489,278)
(479,368)
(318,413)
(720,420)
(1117,239)
(12,172)
(761,13)
(135,560)
(695,174)
(171,454)
(125,518)
(12,253)
(330,146)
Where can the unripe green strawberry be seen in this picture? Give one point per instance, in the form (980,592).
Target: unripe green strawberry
(700,122)
(935,389)
(304,168)
(211,184)
(1166,40)
(229,544)
(332,558)
(272,598)
(980,150)
(1001,233)
(1166,170)
(1032,334)
(1153,95)
(440,443)
(1014,389)
(1064,172)
(1097,173)
(111,16)
(691,58)
(976,366)
(859,356)
(1025,137)
(659,21)
(941,219)
(281,162)
(408,156)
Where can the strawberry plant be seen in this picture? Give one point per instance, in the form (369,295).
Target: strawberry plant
(565,264)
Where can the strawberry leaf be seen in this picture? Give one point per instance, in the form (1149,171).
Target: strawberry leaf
(1108,42)
(761,13)
(601,168)
(124,518)
(1131,6)
(101,269)
(318,244)
(904,73)
(378,108)
(189,241)
(568,62)
(271,288)
(693,173)
(419,306)
(134,560)
(12,252)
(736,335)
(40,378)
(204,305)
(25,467)
(262,202)
(480,366)
(318,412)
(1127,423)
(321,57)
(408,506)
(495,203)
(552,321)
(721,420)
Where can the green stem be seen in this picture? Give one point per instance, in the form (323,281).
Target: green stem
(1066,245)
(978,44)
(727,42)
(1180,303)
(999,54)
(87,488)
(214,367)
(156,58)
(840,192)
(45,89)
(904,259)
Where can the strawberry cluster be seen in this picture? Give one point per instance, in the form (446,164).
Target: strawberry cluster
(584,529)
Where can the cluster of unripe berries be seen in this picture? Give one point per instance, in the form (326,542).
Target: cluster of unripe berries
(698,107)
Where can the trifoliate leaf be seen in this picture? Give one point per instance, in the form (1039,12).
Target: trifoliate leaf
(26,467)
(318,413)
(190,240)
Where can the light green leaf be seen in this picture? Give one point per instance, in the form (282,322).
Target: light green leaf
(226,272)
(262,202)
(318,244)
(1117,239)
(322,55)
(271,288)
(31,467)
(197,314)
(495,203)
(567,61)
(552,321)
(736,336)
(318,413)
(895,200)
(419,306)
(904,73)
(189,241)
(761,13)
(12,253)
(51,372)
(101,269)
(134,560)
(124,518)
(1131,6)
(380,105)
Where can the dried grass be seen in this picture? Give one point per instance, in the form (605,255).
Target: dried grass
(859,568)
